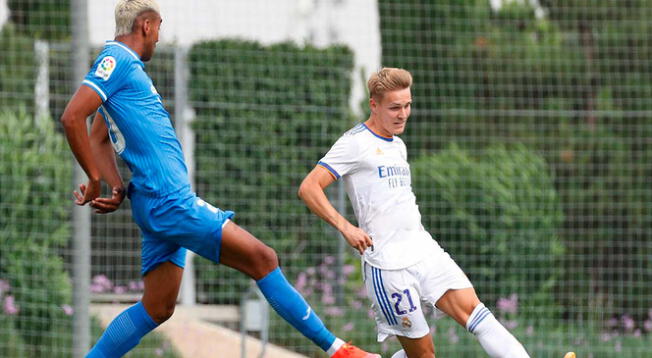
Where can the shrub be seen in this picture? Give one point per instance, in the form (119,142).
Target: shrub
(265,115)
(17,70)
(34,180)
(494,212)
(44,19)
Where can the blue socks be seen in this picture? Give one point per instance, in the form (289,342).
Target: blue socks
(290,305)
(123,333)
(126,330)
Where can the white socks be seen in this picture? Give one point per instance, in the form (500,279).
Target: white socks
(400,354)
(493,337)
(334,347)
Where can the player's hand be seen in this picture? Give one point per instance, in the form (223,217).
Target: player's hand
(87,192)
(357,238)
(107,205)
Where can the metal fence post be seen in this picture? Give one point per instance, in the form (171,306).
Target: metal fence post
(183,115)
(81,214)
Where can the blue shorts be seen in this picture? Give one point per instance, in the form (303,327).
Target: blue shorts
(174,223)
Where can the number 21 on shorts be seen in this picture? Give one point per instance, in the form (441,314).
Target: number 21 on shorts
(398,298)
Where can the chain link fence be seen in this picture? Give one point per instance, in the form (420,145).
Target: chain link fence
(528,141)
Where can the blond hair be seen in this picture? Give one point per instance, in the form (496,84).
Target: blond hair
(126,12)
(388,79)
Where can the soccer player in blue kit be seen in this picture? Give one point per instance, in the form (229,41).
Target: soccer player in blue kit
(130,119)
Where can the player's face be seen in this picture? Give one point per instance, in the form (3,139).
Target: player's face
(151,38)
(392,111)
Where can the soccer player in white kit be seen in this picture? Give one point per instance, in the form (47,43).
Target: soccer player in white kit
(403,265)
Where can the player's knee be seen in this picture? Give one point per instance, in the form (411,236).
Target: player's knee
(163,312)
(266,261)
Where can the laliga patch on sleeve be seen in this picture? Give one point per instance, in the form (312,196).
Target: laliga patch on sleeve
(105,68)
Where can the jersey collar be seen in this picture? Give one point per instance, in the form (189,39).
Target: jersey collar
(377,135)
(123,46)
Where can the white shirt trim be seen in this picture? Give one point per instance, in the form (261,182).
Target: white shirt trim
(131,52)
(96,88)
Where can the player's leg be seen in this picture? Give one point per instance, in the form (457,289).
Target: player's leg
(464,307)
(161,291)
(396,303)
(417,347)
(245,253)
(157,305)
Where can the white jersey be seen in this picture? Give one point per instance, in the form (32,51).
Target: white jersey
(378,182)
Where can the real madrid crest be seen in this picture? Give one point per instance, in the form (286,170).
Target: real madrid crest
(406,322)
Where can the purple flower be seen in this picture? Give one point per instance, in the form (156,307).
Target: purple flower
(10,307)
(329,260)
(612,322)
(328,299)
(327,288)
(302,280)
(529,331)
(67,310)
(511,324)
(348,327)
(348,270)
(509,304)
(100,284)
(119,290)
(362,292)
(628,322)
(136,286)
(452,336)
(356,305)
(159,352)
(647,325)
(637,333)
(326,272)
(334,311)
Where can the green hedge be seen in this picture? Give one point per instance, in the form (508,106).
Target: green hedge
(492,212)
(17,70)
(569,91)
(34,182)
(264,116)
(43,19)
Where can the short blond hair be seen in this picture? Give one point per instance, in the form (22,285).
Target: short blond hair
(126,12)
(388,79)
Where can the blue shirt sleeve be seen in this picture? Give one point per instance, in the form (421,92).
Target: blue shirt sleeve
(108,74)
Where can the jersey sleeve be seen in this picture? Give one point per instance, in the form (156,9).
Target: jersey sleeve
(342,158)
(107,75)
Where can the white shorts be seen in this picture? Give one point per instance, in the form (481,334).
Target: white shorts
(397,295)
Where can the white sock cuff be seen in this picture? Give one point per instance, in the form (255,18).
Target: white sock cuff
(337,344)
(480,312)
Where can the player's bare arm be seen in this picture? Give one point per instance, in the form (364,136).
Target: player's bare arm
(312,193)
(106,162)
(83,103)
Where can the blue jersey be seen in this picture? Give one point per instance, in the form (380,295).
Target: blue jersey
(139,126)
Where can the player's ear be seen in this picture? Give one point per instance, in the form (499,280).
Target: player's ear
(372,104)
(146,25)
